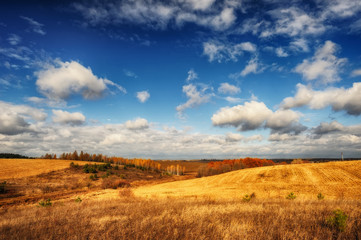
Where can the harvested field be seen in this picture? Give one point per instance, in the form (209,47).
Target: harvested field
(332,179)
(18,168)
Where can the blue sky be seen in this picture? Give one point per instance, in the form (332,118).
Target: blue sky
(181,79)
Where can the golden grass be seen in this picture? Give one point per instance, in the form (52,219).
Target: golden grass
(332,179)
(132,218)
(18,168)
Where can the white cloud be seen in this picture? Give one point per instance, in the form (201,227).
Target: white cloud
(143,96)
(253,115)
(159,14)
(280,52)
(324,66)
(293,22)
(326,128)
(234,137)
(356,72)
(195,97)
(219,51)
(67,78)
(191,75)
(300,45)
(200,4)
(280,137)
(36,27)
(64,117)
(253,66)
(14,39)
(339,99)
(17,119)
(233,100)
(137,124)
(226,88)
(224,20)
(129,73)
(249,116)
(340,8)
(282,118)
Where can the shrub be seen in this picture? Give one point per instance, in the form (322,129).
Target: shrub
(114,183)
(116,167)
(3,187)
(90,168)
(248,198)
(338,221)
(93,177)
(74,165)
(126,192)
(320,196)
(45,203)
(78,200)
(291,196)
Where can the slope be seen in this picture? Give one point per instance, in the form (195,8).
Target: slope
(332,179)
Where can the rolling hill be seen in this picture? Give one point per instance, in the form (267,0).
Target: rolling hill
(332,179)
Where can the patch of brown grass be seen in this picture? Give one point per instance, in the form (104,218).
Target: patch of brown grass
(176,218)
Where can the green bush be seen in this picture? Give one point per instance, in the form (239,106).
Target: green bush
(88,168)
(3,187)
(338,221)
(247,198)
(320,196)
(291,196)
(74,165)
(78,200)
(93,177)
(45,203)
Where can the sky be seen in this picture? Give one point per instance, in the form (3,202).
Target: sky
(181,79)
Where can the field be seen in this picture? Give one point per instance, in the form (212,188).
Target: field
(157,206)
(18,168)
(333,179)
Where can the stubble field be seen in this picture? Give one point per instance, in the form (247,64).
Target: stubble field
(215,207)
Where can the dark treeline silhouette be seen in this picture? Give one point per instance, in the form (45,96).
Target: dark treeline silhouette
(12,155)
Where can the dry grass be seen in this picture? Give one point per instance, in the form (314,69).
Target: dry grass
(18,168)
(133,218)
(335,180)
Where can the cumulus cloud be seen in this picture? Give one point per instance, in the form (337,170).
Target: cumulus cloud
(191,75)
(67,78)
(324,66)
(249,116)
(233,137)
(326,128)
(281,137)
(253,115)
(64,117)
(340,99)
(35,26)
(137,124)
(195,97)
(159,14)
(17,119)
(143,96)
(221,51)
(226,88)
